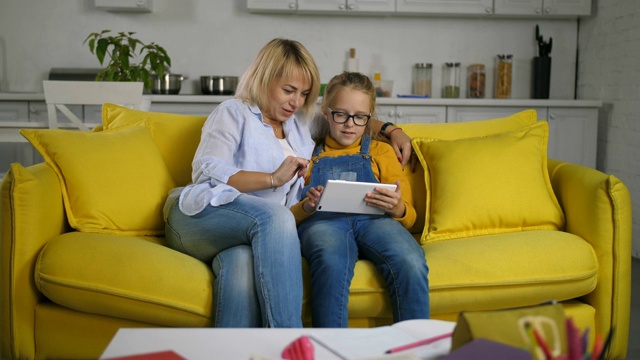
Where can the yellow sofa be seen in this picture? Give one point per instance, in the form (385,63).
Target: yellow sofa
(78,260)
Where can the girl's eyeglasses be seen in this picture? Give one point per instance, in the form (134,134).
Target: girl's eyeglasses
(341,117)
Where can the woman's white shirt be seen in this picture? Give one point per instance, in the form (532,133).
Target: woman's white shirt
(235,138)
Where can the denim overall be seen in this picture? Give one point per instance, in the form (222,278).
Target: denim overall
(356,167)
(332,243)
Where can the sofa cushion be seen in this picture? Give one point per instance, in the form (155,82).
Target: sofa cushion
(451,131)
(488,185)
(93,169)
(489,272)
(177,136)
(156,285)
(526,268)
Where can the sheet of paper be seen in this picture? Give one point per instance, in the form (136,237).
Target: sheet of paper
(362,343)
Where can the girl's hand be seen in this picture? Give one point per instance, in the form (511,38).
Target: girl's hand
(313,196)
(290,167)
(388,200)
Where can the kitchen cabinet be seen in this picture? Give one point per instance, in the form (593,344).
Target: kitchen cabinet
(184,109)
(347,7)
(280,6)
(572,131)
(573,124)
(472,113)
(542,7)
(501,8)
(405,114)
(573,135)
(15,115)
(445,7)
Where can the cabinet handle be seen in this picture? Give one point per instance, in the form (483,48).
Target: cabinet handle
(292,5)
(350,7)
(552,116)
(538,11)
(341,7)
(399,115)
(488,10)
(392,114)
(547,10)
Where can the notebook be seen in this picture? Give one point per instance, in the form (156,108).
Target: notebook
(348,197)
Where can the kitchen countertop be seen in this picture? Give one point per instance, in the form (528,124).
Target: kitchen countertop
(214,99)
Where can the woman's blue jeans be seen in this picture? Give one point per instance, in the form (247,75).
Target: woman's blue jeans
(253,248)
(333,242)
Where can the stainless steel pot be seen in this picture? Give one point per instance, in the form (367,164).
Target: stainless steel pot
(218,85)
(167,84)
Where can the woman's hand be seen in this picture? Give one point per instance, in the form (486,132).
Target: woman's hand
(249,181)
(388,200)
(401,144)
(290,167)
(313,196)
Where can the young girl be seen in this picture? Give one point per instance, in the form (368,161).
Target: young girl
(333,242)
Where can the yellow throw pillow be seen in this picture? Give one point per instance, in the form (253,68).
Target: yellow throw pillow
(113,181)
(466,129)
(177,136)
(488,185)
(450,131)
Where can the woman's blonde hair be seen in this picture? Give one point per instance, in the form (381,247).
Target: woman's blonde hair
(353,80)
(279,58)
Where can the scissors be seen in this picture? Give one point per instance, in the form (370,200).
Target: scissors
(548,330)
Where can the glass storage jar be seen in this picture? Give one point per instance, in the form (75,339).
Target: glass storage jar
(422,79)
(503,76)
(451,80)
(476,81)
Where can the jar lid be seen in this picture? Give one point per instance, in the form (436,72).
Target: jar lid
(423,65)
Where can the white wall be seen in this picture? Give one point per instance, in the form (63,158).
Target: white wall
(206,37)
(609,69)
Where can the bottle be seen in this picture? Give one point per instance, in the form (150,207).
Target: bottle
(476,81)
(422,79)
(352,62)
(377,79)
(503,76)
(451,80)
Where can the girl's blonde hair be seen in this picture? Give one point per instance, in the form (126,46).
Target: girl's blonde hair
(279,58)
(353,80)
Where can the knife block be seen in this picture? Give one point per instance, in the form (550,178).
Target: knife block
(541,77)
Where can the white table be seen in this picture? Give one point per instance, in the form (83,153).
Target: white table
(213,343)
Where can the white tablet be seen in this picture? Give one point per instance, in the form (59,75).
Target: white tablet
(348,197)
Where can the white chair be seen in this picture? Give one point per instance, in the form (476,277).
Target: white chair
(59,94)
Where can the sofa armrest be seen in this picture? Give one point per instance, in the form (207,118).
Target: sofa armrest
(31,213)
(597,208)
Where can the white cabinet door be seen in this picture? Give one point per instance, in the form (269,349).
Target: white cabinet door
(471,113)
(573,135)
(14,111)
(332,6)
(402,114)
(445,6)
(199,109)
(543,7)
(281,6)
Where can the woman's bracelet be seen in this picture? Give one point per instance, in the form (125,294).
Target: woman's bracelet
(273,186)
(391,132)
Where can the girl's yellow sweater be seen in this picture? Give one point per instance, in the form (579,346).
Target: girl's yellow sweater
(386,168)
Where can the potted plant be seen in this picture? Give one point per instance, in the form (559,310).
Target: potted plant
(121,49)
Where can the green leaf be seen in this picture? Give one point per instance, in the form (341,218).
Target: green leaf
(101,50)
